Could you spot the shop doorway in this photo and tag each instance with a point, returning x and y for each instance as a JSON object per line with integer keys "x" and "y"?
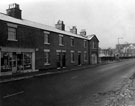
{"x": 20, "y": 62}
{"x": 8, "y": 62}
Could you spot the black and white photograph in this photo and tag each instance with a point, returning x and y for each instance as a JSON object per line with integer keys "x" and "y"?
{"x": 67, "y": 53}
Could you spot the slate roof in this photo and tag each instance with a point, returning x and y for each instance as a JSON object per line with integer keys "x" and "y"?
{"x": 89, "y": 37}
{"x": 7, "y": 18}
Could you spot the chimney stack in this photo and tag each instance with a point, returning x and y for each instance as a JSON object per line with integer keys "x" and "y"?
{"x": 73, "y": 30}
{"x": 83, "y": 33}
{"x": 14, "y": 11}
{"x": 60, "y": 25}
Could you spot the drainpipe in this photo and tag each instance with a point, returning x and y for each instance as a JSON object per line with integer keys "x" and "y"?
{"x": 89, "y": 54}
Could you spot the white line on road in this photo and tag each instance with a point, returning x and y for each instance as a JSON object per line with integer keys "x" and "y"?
{"x": 13, "y": 94}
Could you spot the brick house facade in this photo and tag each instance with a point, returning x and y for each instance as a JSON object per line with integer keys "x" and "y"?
{"x": 27, "y": 46}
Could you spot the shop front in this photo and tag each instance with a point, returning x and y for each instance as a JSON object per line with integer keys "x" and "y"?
{"x": 14, "y": 60}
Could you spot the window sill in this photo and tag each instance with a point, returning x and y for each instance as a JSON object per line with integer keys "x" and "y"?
{"x": 46, "y": 64}
{"x": 47, "y": 43}
{"x": 72, "y": 61}
{"x": 61, "y": 45}
{"x": 12, "y": 40}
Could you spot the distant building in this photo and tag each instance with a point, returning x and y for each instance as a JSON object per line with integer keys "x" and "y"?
{"x": 126, "y": 50}
{"x": 27, "y": 46}
{"x": 106, "y": 54}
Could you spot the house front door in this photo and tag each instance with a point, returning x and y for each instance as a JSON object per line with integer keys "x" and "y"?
{"x": 63, "y": 59}
{"x": 79, "y": 58}
{"x": 58, "y": 60}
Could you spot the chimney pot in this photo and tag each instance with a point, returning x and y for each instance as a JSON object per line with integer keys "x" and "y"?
{"x": 73, "y": 30}
{"x": 83, "y": 33}
{"x": 60, "y": 25}
{"x": 14, "y": 11}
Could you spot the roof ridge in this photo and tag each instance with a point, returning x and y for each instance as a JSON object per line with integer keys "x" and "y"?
{"x": 26, "y": 22}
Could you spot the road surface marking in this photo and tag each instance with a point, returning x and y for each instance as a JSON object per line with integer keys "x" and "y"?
{"x": 13, "y": 94}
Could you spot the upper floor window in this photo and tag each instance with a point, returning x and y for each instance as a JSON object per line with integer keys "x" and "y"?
{"x": 61, "y": 43}
{"x": 94, "y": 45}
{"x": 46, "y": 37}
{"x": 85, "y": 43}
{"x": 12, "y": 32}
{"x": 72, "y": 41}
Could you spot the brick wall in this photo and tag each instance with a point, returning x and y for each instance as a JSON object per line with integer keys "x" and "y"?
{"x": 29, "y": 37}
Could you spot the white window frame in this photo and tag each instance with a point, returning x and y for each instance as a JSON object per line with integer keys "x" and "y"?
{"x": 12, "y": 29}
{"x": 72, "y": 56}
{"x": 12, "y": 34}
{"x": 85, "y": 43}
{"x": 93, "y": 45}
{"x": 48, "y": 57}
{"x": 72, "y": 39}
{"x": 46, "y": 37}
{"x": 61, "y": 37}
{"x": 85, "y": 56}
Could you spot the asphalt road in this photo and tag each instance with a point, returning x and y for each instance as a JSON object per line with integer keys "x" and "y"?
{"x": 74, "y": 88}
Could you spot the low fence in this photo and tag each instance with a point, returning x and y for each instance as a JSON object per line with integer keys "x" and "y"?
{"x": 115, "y": 58}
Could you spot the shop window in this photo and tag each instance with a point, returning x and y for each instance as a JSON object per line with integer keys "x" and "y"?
{"x": 15, "y": 62}
{"x": 5, "y": 62}
{"x": 8, "y": 61}
{"x": 12, "y": 33}
{"x": 27, "y": 60}
{"x": 24, "y": 61}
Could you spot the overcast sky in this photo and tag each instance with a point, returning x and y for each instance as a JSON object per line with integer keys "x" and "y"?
{"x": 108, "y": 19}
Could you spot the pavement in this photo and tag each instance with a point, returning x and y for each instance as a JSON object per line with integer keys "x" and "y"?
{"x": 21, "y": 76}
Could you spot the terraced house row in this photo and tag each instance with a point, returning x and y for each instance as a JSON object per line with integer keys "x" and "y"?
{"x": 27, "y": 46}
